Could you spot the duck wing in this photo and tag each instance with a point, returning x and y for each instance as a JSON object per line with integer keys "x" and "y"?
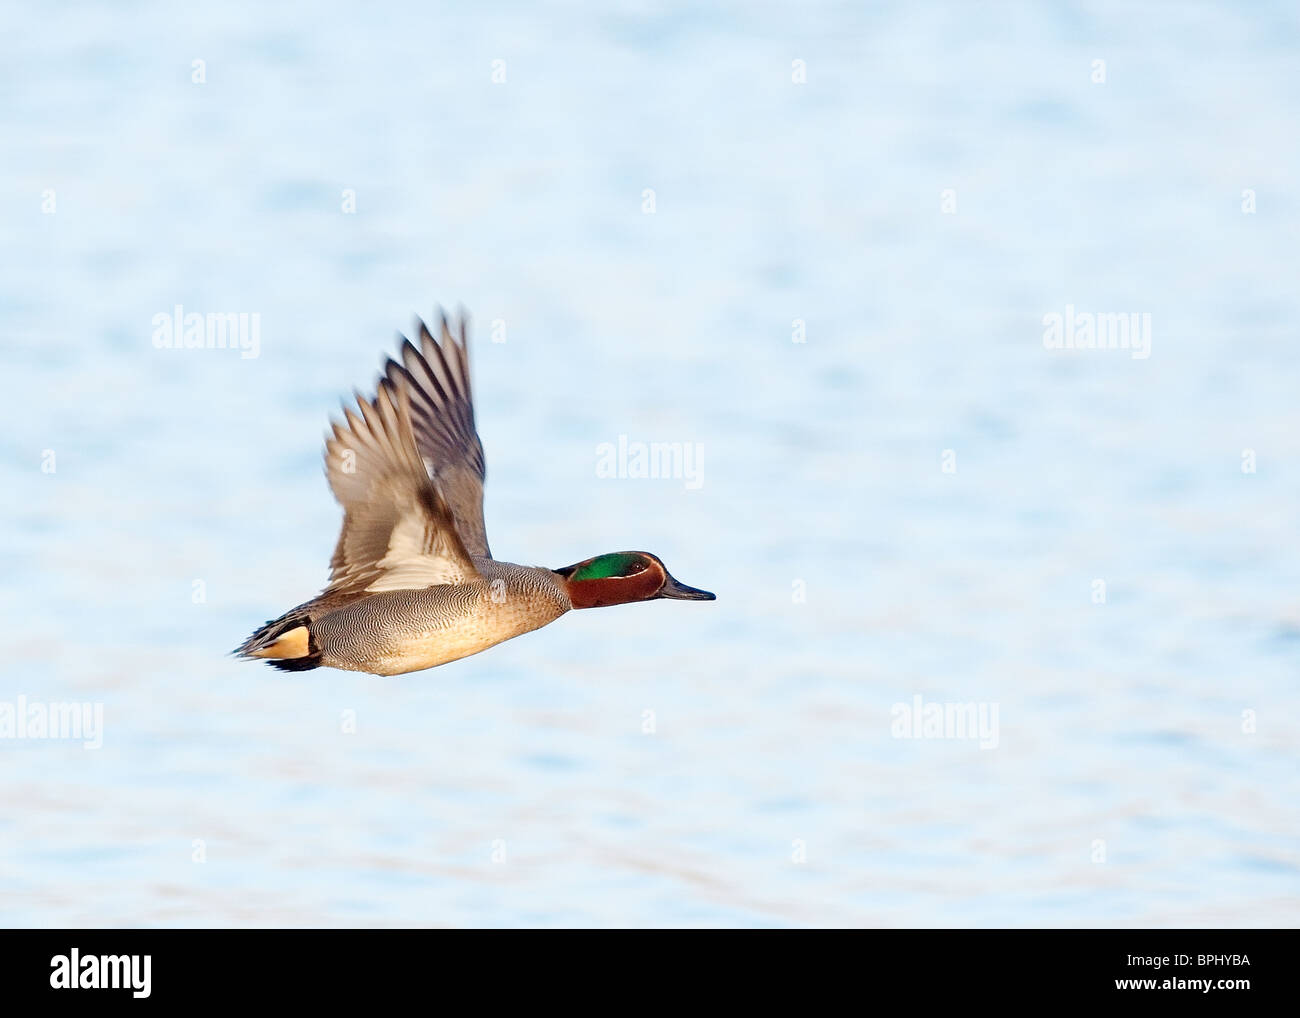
{"x": 435, "y": 378}
{"x": 399, "y": 532}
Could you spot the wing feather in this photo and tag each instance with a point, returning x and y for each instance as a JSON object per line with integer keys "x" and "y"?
{"x": 398, "y": 530}
{"x": 436, "y": 380}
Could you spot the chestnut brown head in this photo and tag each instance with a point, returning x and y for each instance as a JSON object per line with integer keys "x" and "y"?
{"x": 621, "y": 577}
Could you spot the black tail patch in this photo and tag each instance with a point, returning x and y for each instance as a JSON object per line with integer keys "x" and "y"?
{"x": 295, "y": 664}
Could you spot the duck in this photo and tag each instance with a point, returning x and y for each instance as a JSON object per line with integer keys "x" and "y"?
{"x": 412, "y": 582}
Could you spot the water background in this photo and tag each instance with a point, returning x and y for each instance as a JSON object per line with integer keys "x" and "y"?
{"x": 519, "y": 787}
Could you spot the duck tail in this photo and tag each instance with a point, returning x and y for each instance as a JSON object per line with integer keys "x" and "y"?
{"x": 286, "y": 643}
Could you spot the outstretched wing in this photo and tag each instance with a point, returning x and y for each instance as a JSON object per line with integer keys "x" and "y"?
{"x": 435, "y": 379}
{"x": 398, "y": 530}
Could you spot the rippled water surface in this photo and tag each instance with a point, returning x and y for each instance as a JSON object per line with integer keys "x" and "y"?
{"x": 919, "y": 499}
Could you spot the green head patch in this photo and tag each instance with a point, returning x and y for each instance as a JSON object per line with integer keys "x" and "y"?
{"x": 604, "y": 567}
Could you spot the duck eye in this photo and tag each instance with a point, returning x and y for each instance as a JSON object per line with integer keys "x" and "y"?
{"x": 624, "y": 566}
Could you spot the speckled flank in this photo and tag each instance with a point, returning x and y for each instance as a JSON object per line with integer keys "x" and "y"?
{"x": 399, "y": 631}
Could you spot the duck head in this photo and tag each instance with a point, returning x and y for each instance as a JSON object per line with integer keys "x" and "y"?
{"x": 621, "y": 577}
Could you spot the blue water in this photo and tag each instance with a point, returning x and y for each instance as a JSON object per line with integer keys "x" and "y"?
{"x": 161, "y": 503}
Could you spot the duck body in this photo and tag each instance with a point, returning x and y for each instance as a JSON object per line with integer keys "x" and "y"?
{"x": 392, "y": 632}
{"x": 413, "y": 584}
